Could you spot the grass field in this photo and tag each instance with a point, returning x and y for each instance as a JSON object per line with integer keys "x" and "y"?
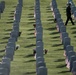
{"x": 24, "y": 62}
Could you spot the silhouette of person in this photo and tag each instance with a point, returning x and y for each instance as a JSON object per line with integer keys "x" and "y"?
{"x": 68, "y": 14}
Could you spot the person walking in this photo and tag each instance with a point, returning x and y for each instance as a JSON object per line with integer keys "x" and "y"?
{"x": 68, "y": 14}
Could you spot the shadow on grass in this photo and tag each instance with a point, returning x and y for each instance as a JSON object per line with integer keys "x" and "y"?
{"x": 11, "y": 16}
{"x": 58, "y": 49}
{"x": 30, "y": 29}
{"x": 30, "y": 19}
{"x": 7, "y": 33}
{"x": 31, "y": 23}
{"x": 3, "y": 42}
{"x": 31, "y": 16}
{"x": 9, "y": 22}
{"x": 14, "y": 6}
{"x": 31, "y": 45}
{"x": 31, "y": 8}
{"x": 74, "y": 32}
{"x": 73, "y": 28}
{"x": 48, "y": 11}
{"x": 55, "y": 40}
{"x": 9, "y": 30}
{"x": 50, "y": 17}
{"x": 1, "y": 56}
{"x": 51, "y": 28}
{"x": 2, "y": 50}
{"x": 64, "y": 72}
{"x": 29, "y": 55}
{"x": 30, "y": 33}
{"x": 5, "y": 38}
{"x": 48, "y": 7}
{"x": 10, "y": 19}
{"x": 12, "y": 11}
{"x": 56, "y": 37}
{"x": 74, "y": 36}
{"x": 30, "y": 61}
{"x": 55, "y": 45}
{"x": 61, "y": 66}
{"x": 31, "y": 37}
{"x": 29, "y": 73}
{"x": 59, "y": 60}
{"x": 54, "y": 33}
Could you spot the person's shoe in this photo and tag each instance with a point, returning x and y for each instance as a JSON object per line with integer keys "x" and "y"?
{"x": 73, "y": 23}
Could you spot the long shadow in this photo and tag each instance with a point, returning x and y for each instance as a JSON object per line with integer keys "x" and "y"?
{"x": 9, "y": 22}
{"x": 51, "y": 28}
{"x": 59, "y": 60}
{"x": 54, "y": 40}
{"x": 58, "y": 49}
{"x": 73, "y": 28}
{"x": 12, "y": 11}
{"x": 48, "y": 11}
{"x": 29, "y": 73}
{"x": 74, "y": 36}
{"x": 14, "y": 6}
{"x": 61, "y": 66}
{"x": 31, "y": 16}
{"x": 10, "y": 19}
{"x": 1, "y": 56}
{"x": 29, "y": 55}
{"x": 30, "y": 61}
{"x": 31, "y": 45}
{"x": 30, "y": 33}
{"x": 74, "y": 32}
{"x": 56, "y": 37}
{"x": 7, "y": 33}
{"x": 30, "y": 22}
{"x": 31, "y": 8}
{"x": 48, "y": 7}
{"x": 31, "y": 37}
{"x": 3, "y": 42}
{"x": 30, "y": 29}
{"x": 64, "y": 72}
{"x": 2, "y": 50}
{"x": 31, "y": 19}
{"x": 8, "y": 29}
{"x": 54, "y": 33}
{"x": 56, "y": 45}
{"x": 50, "y": 17}
{"x": 11, "y": 16}
{"x": 5, "y": 38}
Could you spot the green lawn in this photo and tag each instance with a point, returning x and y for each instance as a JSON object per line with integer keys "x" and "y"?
{"x": 24, "y": 63}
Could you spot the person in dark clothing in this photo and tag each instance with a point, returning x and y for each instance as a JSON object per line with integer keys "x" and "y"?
{"x": 68, "y": 14}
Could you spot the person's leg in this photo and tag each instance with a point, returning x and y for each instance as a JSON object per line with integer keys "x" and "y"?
{"x": 71, "y": 21}
{"x": 67, "y": 21}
